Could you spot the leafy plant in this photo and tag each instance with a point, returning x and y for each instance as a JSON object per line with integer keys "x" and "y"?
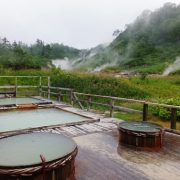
{"x": 165, "y": 113}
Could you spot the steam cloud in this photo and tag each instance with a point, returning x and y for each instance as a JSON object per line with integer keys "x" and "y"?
{"x": 95, "y": 59}
{"x": 104, "y": 66}
{"x": 173, "y": 67}
{"x": 64, "y": 64}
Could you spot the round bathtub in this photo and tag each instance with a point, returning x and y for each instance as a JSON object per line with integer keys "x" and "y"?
{"x": 37, "y": 156}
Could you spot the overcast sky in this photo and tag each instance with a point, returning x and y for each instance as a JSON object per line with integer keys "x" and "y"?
{"x": 77, "y": 23}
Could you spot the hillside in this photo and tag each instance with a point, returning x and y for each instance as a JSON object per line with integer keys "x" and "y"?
{"x": 153, "y": 40}
{"x": 150, "y": 44}
{"x": 18, "y": 55}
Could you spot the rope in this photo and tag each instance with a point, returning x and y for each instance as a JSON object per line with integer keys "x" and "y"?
{"x": 45, "y": 166}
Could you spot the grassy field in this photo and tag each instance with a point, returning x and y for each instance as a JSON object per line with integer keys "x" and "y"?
{"x": 158, "y": 87}
{"x": 149, "y": 88}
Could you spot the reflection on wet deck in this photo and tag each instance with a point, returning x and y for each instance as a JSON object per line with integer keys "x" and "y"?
{"x": 100, "y": 157}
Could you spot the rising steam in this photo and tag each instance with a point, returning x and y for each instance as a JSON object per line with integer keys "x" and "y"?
{"x": 104, "y": 66}
{"x": 173, "y": 67}
{"x": 64, "y": 64}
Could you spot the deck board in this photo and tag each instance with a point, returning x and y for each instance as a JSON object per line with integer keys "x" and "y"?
{"x": 101, "y": 157}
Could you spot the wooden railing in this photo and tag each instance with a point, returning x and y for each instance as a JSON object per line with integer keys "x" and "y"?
{"x": 68, "y": 94}
{"x": 88, "y": 100}
{"x": 13, "y": 89}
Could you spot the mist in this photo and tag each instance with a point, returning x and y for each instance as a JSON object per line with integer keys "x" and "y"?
{"x": 104, "y": 66}
{"x": 173, "y": 67}
{"x": 64, "y": 64}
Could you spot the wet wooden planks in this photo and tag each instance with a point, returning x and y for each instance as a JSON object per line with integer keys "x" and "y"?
{"x": 101, "y": 157}
{"x": 79, "y": 130}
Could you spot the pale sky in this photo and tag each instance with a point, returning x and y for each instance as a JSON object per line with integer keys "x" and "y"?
{"x": 77, "y": 23}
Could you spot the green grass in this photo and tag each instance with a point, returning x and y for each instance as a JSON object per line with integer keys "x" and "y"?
{"x": 149, "y": 88}
{"x": 158, "y": 87}
{"x": 128, "y": 116}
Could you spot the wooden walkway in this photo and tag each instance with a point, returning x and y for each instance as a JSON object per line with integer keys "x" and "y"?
{"x": 83, "y": 129}
{"x": 101, "y": 157}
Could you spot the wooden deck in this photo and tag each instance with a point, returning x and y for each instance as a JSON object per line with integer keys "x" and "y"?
{"x": 100, "y": 157}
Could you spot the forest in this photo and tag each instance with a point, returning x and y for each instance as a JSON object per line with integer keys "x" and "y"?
{"x": 148, "y": 45}
{"x": 152, "y": 40}
{"x": 18, "y": 55}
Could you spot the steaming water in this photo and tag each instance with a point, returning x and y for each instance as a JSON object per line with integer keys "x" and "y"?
{"x": 64, "y": 64}
{"x": 7, "y": 101}
{"x": 28, "y": 147}
{"x": 16, "y": 120}
{"x": 173, "y": 67}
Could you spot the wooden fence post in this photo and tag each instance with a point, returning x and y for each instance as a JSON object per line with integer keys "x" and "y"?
{"x": 71, "y": 97}
{"x": 49, "y": 91}
{"x": 59, "y": 95}
{"x": 145, "y": 112}
{"x": 111, "y": 107}
{"x": 16, "y": 86}
{"x": 40, "y": 86}
{"x": 89, "y": 103}
{"x": 173, "y": 118}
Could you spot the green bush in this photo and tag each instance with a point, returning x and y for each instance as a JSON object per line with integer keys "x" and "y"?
{"x": 165, "y": 113}
{"x": 96, "y": 84}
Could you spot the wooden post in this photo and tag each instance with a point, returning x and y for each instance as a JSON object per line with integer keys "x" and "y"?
{"x": 111, "y": 107}
{"x": 59, "y": 95}
{"x": 145, "y": 112}
{"x": 71, "y": 98}
{"x": 89, "y": 103}
{"x": 173, "y": 118}
{"x": 16, "y": 86}
{"x": 49, "y": 91}
{"x": 40, "y": 88}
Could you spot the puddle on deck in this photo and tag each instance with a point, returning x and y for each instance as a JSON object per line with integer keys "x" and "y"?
{"x": 101, "y": 157}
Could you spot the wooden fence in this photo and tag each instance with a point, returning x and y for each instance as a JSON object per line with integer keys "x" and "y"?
{"x": 14, "y": 88}
{"x": 74, "y": 98}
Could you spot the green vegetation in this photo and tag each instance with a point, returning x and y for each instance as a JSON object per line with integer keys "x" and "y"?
{"x": 96, "y": 84}
{"x": 165, "y": 113}
{"x": 156, "y": 89}
{"x": 150, "y": 44}
{"x": 18, "y": 56}
{"x": 152, "y": 41}
{"x": 53, "y": 50}
{"x": 36, "y": 56}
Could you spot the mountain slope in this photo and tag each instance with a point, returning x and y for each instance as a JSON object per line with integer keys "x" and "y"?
{"x": 153, "y": 39}
{"x": 149, "y": 44}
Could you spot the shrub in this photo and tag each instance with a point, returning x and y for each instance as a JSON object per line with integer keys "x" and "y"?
{"x": 165, "y": 113}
